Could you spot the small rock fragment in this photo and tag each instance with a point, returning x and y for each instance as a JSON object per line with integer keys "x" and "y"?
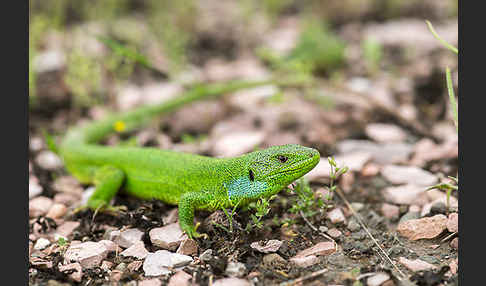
{"x": 78, "y": 271}
{"x": 231, "y": 281}
{"x": 106, "y": 265}
{"x": 355, "y": 161}
{"x": 428, "y": 227}
{"x": 386, "y": 153}
{"x": 455, "y": 243}
{"x": 268, "y": 247}
{"x": 357, "y": 206}
{"x": 336, "y": 216}
{"x": 322, "y": 248}
{"x": 453, "y": 223}
{"x": 304, "y": 261}
{"x": 370, "y": 170}
{"x": 188, "y": 247}
{"x": 110, "y": 245}
{"x": 206, "y": 256}
{"x": 274, "y": 261}
{"x": 382, "y": 133}
{"x": 41, "y": 243}
{"x": 34, "y": 188}
{"x": 180, "y": 278}
{"x": 353, "y": 225}
{"x": 167, "y": 237}
{"x": 389, "y": 211}
{"x": 89, "y": 254}
{"x": 150, "y": 282}
{"x": 127, "y": 237}
{"x": 135, "y": 265}
{"x": 409, "y": 216}
{"x": 67, "y": 228}
{"x": 116, "y": 275}
{"x": 406, "y": 195}
{"x": 408, "y": 175}
{"x": 454, "y": 266}
{"x": 39, "y": 206}
{"x": 159, "y": 262}
{"x": 377, "y": 279}
{"x": 49, "y": 61}
{"x": 416, "y": 264}
{"x": 67, "y": 184}
{"x": 334, "y": 233}
{"x": 171, "y": 217}
{"x": 235, "y": 269}
{"x": 57, "y": 211}
{"x": 66, "y": 199}
{"x": 346, "y": 181}
{"x": 48, "y": 160}
{"x": 137, "y": 250}
{"x": 237, "y": 143}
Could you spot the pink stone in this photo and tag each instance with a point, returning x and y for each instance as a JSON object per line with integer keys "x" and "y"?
{"x": 67, "y": 228}
{"x": 188, "y": 247}
{"x": 304, "y": 261}
{"x": 390, "y": 211}
{"x": 181, "y": 278}
{"x": 427, "y": 227}
{"x": 137, "y": 250}
{"x": 416, "y": 265}
{"x": 452, "y": 222}
{"x": 322, "y": 248}
{"x": 39, "y": 206}
{"x": 77, "y": 274}
{"x": 167, "y": 237}
{"x": 266, "y": 247}
{"x": 57, "y": 211}
{"x": 150, "y": 282}
{"x": 406, "y": 195}
{"x": 336, "y": 216}
{"x": 89, "y": 254}
{"x": 455, "y": 243}
{"x": 334, "y": 233}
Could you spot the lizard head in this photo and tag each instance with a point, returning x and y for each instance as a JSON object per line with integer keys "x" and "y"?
{"x": 270, "y": 170}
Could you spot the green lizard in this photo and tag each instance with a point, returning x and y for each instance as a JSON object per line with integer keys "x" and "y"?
{"x": 187, "y": 180}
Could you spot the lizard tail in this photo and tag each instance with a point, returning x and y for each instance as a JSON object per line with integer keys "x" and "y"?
{"x": 96, "y": 130}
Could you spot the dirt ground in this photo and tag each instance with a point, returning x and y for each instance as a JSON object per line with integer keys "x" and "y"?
{"x": 378, "y": 104}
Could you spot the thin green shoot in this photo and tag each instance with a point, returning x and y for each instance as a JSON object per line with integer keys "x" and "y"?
{"x": 442, "y": 41}
{"x": 448, "y": 188}
{"x": 230, "y": 219}
{"x": 452, "y": 97}
{"x": 335, "y": 173}
{"x": 124, "y": 51}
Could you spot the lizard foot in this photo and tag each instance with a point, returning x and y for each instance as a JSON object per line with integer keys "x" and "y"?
{"x": 192, "y": 232}
{"x": 102, "y": 208}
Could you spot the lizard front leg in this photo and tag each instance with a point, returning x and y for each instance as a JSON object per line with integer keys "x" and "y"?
{"x": 187, "y": 205}
{"x": 108, "y": 180}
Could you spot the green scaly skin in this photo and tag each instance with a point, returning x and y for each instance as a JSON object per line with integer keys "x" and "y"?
{"x": 187, "y": 180}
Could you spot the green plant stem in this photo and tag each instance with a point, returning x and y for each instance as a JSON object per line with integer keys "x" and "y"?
{"x": 443, "y": 42}
{"x": 452, "y": 98}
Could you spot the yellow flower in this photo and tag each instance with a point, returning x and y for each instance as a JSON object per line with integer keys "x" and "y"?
{"x": 119, "y": 126}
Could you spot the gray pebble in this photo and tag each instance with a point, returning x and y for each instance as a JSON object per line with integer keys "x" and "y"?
{"x": 353, "y": 225}
{"x": 409, "y": 216}
{"x": 235, "y": 269}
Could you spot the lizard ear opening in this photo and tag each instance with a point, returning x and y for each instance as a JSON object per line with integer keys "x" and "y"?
{"x": 252, "y": 177}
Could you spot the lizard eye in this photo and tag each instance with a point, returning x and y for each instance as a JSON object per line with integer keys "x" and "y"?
{"x": 282, "y": 159}
{"x": 252, "y": 177}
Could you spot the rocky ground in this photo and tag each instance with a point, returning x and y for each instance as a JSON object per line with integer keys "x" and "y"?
{"x": 391, "y": 126}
